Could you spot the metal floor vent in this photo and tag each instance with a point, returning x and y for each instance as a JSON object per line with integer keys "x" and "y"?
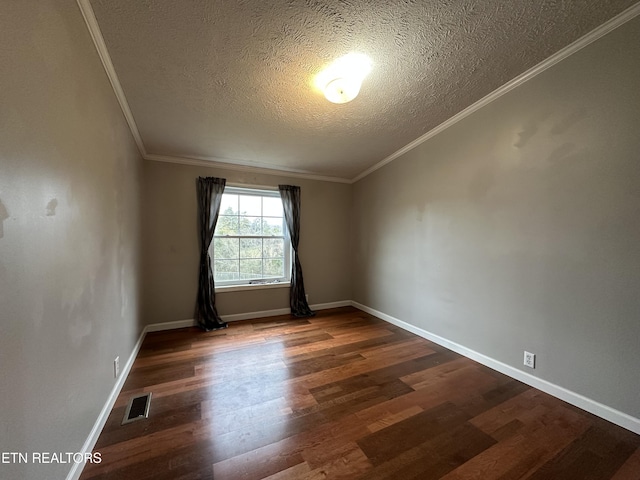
{"x": 137, "y": 409}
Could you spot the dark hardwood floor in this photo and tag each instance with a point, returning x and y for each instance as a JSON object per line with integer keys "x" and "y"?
{"x": 344, "y": 395}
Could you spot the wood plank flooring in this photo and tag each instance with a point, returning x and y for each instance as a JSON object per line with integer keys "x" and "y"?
{"x": 344, "y": 395}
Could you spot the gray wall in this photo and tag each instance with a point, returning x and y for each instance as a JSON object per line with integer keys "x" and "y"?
{"x": 171, "y": 251}
{"x": 515, "y": 229}
{"x": 519, "y": 227}
{"x": 69, "y": 275}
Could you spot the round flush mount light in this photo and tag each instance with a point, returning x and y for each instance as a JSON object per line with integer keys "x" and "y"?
{"x": 342, "y": 90}
{"x": 341, "y": 81}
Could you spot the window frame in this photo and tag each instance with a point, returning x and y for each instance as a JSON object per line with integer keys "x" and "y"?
{"x": 256, "y": 283}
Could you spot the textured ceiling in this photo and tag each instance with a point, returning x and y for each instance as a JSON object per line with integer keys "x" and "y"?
{"x": 232, "y": 81}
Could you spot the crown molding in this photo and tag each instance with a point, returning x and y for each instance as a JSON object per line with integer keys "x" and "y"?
{"x": 98, "y": 40}
{"x": 101, "y": 47}
{"x": 560, "y": 55}
{"x": 241, "y": 167}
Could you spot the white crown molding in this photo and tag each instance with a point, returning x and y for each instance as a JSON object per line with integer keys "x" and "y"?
{"x": 560, "y": 55}
{"x": 242, "y": 167}
{"x": 98, "y": 40}
{"x": 101, "y": 47}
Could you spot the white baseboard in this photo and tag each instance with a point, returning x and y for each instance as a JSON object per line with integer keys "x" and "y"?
{"x": 281, "y": 311}
{"x": 615, "y": 416}
{"x": 259, "y": 314}
{"x": 235, "y": 317}
{"x": 612, "y": 415}
{"x": 326, "y": 306}
{"x": 160, "y": 327}
{"x": 90, "y": 442}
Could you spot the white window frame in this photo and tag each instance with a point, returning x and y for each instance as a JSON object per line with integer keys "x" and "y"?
{"x": 256, "y": 283}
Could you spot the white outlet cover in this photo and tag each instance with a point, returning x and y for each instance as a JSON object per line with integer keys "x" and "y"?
{"x": 529, "y": 359}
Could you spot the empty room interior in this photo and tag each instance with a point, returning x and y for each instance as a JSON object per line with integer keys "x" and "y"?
{"x": 342, "y": 240}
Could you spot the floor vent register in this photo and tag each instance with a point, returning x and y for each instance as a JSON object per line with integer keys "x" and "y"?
{"x": 137, "y": 409}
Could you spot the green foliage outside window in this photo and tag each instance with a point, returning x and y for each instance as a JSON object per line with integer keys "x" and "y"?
{"x": 238, "y": 258}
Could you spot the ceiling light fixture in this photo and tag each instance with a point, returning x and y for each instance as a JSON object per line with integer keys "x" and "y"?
{"x": 341, "y": 81}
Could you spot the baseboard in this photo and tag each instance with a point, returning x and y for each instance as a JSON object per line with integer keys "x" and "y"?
{"x": 326, "y": 306}
{"x": 76, "y": 469}
{"x": 281, "y": 311}
{"x": 249, "y": 315}
{"x": 235, "y": 317}
{"x": 612, "y": 415}
{"x": 159, "y": 327}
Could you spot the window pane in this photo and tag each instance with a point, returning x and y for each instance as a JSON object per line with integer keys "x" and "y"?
{"x": 273, "y": 248}
{"x": 225, "y": 248}
{"x": 250, "y": 248}
{"x": 229, "y": 204}
{"x": 248, "y": 243}
{"x": 274, "y": 268}
{"x": 225, "y": 270}
{"x": 272, "y": 226}
{"x": 250, "y": 269}
{"x": 250, "y": 205}
{"x": 227, "y": 225}
{"x": 250, "y": 226}
{"x": 272, "y": 207}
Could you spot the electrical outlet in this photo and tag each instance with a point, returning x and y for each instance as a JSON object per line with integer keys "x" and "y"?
{"x": 116, "y": 367}
{"x": 529, "y": 359}
{"x": 306, "y": 296}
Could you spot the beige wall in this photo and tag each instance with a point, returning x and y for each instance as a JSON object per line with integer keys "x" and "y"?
{"x": 69, "y": 188}
{"x": 171, "y": 251}
{"x": 519, "y": 227}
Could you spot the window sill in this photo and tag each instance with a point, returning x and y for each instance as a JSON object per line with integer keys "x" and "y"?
{"x": 252, "y": 286}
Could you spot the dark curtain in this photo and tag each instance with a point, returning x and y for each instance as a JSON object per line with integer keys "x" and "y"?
{"x": 209, "y": 197}
{"x": 291, "y": 202}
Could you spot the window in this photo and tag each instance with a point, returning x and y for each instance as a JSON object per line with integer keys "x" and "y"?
{"x": 250, "y": 243}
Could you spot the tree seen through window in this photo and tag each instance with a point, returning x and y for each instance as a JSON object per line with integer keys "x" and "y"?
{"x": 249, "y": 241}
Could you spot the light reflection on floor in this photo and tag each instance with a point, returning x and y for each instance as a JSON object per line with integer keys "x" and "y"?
{"x": 249, "y": 397}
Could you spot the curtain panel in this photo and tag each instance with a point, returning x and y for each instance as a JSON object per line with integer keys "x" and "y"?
{"x": 209, "y": 190}
{"x": 290, "y": 195}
